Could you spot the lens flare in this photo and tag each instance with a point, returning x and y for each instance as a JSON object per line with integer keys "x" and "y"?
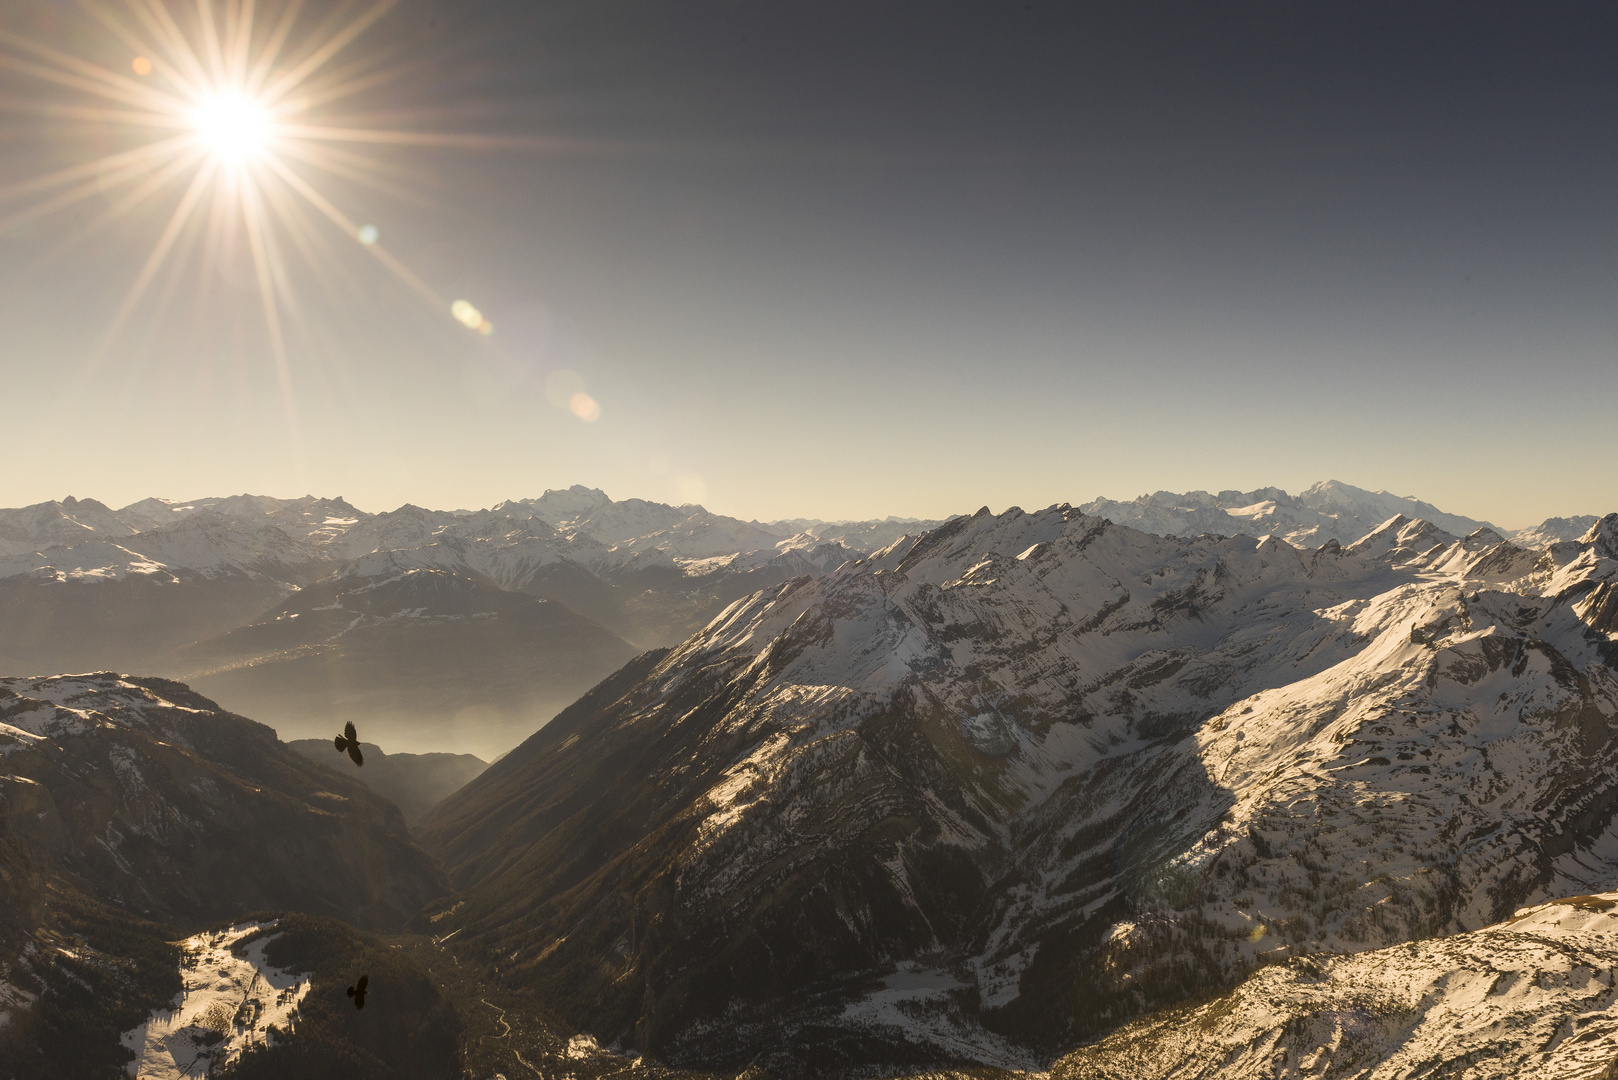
{"x": 584, "y": 407}
{"x": 470, "y": 317}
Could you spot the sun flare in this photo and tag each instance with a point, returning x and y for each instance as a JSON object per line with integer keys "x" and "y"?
{"x": 232, "y": 126}
{"x": 232, "y": 106}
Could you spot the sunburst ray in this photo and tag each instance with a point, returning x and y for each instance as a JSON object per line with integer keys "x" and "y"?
{"x": 234, "y": 102}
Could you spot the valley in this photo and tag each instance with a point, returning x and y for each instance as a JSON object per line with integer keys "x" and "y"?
{"x": 994, "y": 796}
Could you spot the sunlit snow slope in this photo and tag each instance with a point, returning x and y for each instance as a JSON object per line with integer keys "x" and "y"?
{"x": 228, "y": 1003}
{"x": 1535, "y": 995}
{"x": 1084, "y": 769}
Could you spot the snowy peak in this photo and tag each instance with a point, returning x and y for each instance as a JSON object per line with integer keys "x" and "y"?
{"x": 28, "y": 529}
{"x": 556, "y": 506}
{"x": 1554, "y": 530}
{"x": 1529, "y": 996}
{"x": 1603, "y": 536}
{"x": 1330, "y": 510}
{"x": 1399, "y": 539}
{"x": 1096, "y": 768}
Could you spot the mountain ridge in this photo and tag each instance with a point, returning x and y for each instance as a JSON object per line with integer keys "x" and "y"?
{"x": 1074, "y": 769}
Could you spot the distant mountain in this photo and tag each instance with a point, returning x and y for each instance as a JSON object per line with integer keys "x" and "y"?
{"x": 70, "y": 521}
{"x": 1525, "y": 997}
{"x": 1330, "y": 510}
{"x": 180, "y": 587}
{"x": 1556, "y": 530}
{"x": 211, "y": 590}
{"x": 861, "y": 536}
{"x": 55, "y": 621}
{"x": 415, "y": 783}
{"x": 997, "y": 789}
{"x": 417, "y": 656}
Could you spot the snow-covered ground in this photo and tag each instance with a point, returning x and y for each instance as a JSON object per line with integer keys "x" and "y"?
{"x": 229, "y": 1003}
{"x": 1536, "y": 995}
{"x": 921, "y": 1006}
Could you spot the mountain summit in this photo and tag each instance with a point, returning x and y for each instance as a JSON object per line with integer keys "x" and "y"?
{"x": 1034, "y": 773}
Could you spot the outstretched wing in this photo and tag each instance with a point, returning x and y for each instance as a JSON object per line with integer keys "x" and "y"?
{"x": 354, "y": 752}
{"x": 349, "y": 733}
{"x": 342, "y": 743}
{"x": 365, "y": 980}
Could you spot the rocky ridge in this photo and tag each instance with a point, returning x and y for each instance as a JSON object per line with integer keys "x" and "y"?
{"x": 1074, "y": 770}
{"x": 1330, "y": 510}
{"x": 1534, "y": 994}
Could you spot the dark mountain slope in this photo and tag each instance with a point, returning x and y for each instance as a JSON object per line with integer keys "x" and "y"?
{"x": 1032, "y": 774}
{"x": 53, "y": 622}
{"x": 152, "y": 798}
{"x": 136, "y": 811}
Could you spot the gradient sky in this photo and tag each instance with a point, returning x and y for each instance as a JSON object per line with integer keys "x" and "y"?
{"x": 857, "y": 259}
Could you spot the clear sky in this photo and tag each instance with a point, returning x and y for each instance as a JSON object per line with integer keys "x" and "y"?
{"x": 840, "y": 259}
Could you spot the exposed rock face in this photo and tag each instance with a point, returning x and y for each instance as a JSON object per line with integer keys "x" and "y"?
{"x": 1531, "y": 996}
{"x": 1078, "y": 770}
{"x": 143, "y": 794}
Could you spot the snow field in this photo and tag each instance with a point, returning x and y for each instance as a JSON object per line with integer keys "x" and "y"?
{"x": 229, "y": 1003}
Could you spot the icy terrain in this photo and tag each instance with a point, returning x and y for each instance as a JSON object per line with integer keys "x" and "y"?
{"x": 229, "y": 1003}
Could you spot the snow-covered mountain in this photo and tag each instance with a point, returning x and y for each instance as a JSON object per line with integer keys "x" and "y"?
{"x": 1531, "y": 996}
{"x": 972, "y": 796}
{"x": 85, "y": 587}
{"x": 1072, "y": 769}
{"x": 1554, "y": 530}
{"x": 1330, "y": 510}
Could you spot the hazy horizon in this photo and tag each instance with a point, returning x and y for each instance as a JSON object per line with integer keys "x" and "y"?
{"x": 995, "y": 508}
{"x": 844, "y": 262}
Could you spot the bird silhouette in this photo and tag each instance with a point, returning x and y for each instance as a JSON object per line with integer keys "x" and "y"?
{"x": 349, "y": 740}
{"x": 357, "y": 991}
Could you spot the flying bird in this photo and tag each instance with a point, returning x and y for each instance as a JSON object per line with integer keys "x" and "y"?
{"x": 349, "y": 740}
{"x": 357, "y": 991}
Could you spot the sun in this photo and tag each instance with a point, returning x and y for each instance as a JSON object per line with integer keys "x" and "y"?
{"x": 232, "y": 126}
{"x": 234, "y": 110}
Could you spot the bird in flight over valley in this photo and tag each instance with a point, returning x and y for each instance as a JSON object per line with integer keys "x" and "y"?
{"x": 349, "y": 740}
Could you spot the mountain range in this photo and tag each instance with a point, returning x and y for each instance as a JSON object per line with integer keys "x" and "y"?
{"x": 1330, "y": 510}
{"x": 1016, "y": 791}
{"x": 1065, "y": 769}
{"x": 463, "y": 630}
{"x": 432, "y": 630}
